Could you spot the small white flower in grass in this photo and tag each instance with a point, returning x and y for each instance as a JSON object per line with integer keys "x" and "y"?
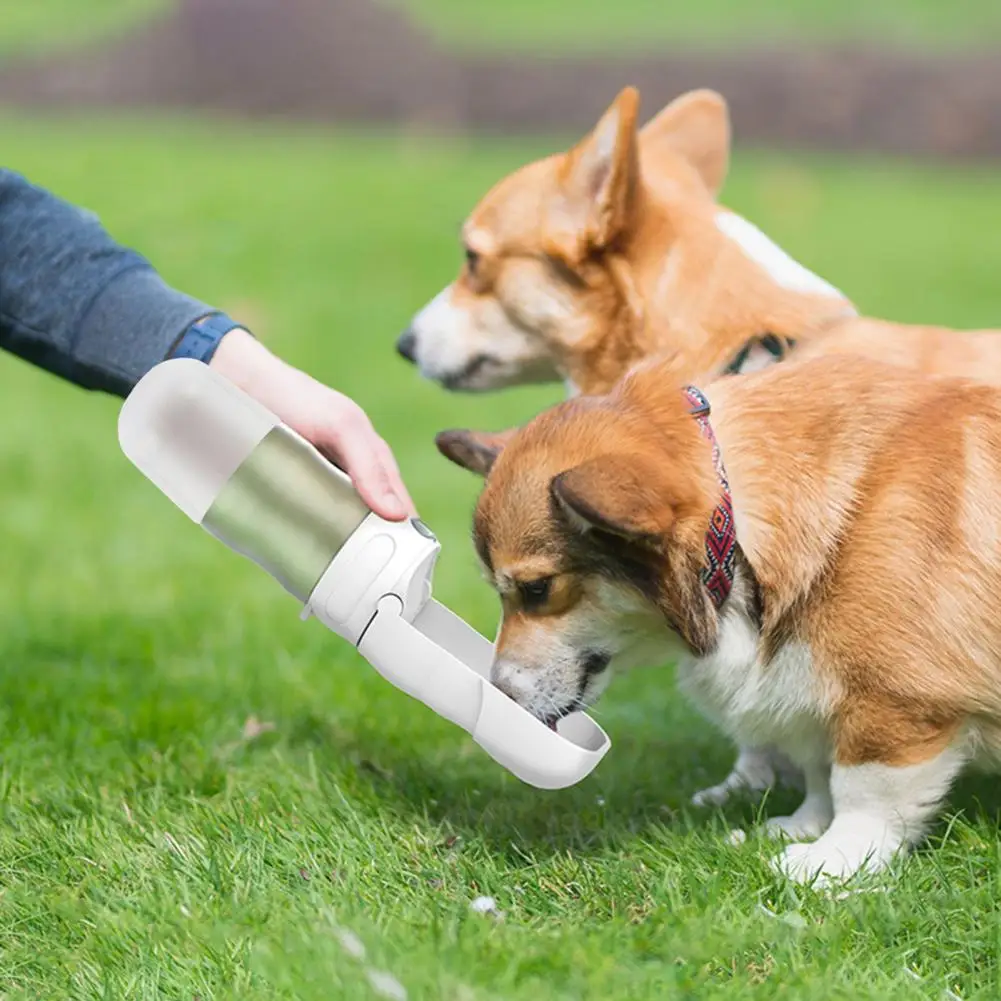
{"x": 736, "y": 837}
{"x": 351, "y": 943}
{"x": 600, "y": 800}
{"x": 386, "y": 985}
{"x": 484, "y": 905}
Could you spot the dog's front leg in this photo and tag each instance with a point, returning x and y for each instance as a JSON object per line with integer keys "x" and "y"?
{"x": 880, "y": 809}
{"x": 756, "y": 770}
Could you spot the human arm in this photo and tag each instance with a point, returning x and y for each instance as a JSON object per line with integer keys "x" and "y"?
{"x": 78, "y": 304}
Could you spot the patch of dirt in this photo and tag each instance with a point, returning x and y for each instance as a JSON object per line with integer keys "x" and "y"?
{"x": 359, "y": 61}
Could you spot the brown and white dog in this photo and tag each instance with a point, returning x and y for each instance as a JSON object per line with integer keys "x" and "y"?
{"x": 860, "y": 630}
{"x": 582, "y": 264}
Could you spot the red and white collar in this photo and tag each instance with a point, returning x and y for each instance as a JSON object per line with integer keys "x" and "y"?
{"x": 721, "y": 535}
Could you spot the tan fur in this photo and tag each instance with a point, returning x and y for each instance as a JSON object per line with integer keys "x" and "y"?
{"x": 658, "y": 280}
{"x": 610, "y": 253}
{"x": 849, "y": 483}
{"x": 974, "y": 354}
{"x": 867, "y": 501}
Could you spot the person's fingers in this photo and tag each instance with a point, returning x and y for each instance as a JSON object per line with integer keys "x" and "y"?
{"x": 358, "y": 449}
{"x": 396, "y": 479}
{"x": 371, "y": 481}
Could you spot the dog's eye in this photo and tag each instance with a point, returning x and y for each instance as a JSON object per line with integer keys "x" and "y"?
{"x": 565, "y": 272}
{"x": 535, "y": 592}
{"x": 472, "y": 259}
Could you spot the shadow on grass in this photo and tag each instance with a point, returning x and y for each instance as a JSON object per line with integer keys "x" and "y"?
{"x": 641, "y": 785}
{"x": 423, "y": 772}
{"x": 978, "y": 795}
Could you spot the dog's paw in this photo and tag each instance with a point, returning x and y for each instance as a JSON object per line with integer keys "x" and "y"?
{"x": 796, "y": 827}
{"x": 733, "y": 787}
{"x": 811, "y": 863}
{"x": 831, "y": 861}
{"x": 743, "y": 782}
{"x": 756, "y": 770}
{"x": 713, "y": 796}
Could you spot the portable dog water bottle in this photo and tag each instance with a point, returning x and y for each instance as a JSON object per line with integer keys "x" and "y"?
{"x": 235, "y": 469}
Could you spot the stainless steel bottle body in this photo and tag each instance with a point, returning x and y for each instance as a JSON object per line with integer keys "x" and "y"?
{"x": 287, "y": 509}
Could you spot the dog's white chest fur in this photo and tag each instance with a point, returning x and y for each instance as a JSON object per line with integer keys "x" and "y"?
{"x": 780, "y": 267}
{"x": 782, "y": 702}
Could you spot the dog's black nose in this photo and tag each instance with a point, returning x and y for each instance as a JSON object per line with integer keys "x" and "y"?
{"x": 406, "y": 343}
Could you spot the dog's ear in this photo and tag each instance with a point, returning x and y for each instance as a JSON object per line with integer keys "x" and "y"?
{"x": 473, "y": 450}
{"x": 695, "y": 125}
{"x": 614, "y": 495}
{"x": 600, "y": 174}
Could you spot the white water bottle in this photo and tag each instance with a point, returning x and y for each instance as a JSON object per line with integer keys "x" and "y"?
{"x": 235, "y": 469}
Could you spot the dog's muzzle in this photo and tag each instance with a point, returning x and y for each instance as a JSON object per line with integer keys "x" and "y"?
{"x": 462, "y": 379}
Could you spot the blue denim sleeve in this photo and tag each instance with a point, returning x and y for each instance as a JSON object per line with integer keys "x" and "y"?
{"x": 75, "y": 302}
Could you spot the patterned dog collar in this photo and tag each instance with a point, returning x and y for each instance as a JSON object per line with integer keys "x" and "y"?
{"x": 721, "y": 535}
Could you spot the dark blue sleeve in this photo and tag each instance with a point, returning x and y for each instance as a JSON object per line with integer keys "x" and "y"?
{"x": 75, "y": 302}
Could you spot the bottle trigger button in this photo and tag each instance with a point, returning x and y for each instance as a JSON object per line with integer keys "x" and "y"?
{"x": 423, "y": 529}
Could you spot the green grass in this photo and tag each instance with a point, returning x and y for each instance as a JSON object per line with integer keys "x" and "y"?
{"x": 597, "y": 25}
{"x": 560, "y": 26}
{"x": 33, "y": 25}
{"x": 148, "y": 851}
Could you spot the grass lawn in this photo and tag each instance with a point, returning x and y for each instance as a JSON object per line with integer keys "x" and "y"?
{"x": 30, "y": 25}
{"x": 150, "y": 849}
{"x": 597, "y": 25}
{"x": 575, "y": 25}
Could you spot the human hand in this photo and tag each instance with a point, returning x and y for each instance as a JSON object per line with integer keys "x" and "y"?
{"x": 332, "y": 422}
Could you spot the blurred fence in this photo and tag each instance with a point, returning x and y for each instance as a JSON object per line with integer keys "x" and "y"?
{"x": 362, "y": 62}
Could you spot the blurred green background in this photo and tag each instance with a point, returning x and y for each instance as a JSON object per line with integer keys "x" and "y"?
{"x": 156, "y": 842}
{"x": 559, "y": 25}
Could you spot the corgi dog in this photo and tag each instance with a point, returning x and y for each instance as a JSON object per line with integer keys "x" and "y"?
{"x": 823, "y": 537}
{"x": 581, "y": 264}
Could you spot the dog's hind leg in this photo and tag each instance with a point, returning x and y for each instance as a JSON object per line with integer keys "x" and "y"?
{"x": 756, "y": 770}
